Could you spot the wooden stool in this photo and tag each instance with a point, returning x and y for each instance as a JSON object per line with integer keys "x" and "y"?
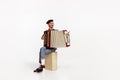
{"x": 51, "y": 61}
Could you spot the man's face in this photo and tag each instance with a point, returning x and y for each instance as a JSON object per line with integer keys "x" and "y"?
{"x": 51, "y": 24}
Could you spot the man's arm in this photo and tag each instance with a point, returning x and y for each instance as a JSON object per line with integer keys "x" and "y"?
{"x": 43, "y": 37}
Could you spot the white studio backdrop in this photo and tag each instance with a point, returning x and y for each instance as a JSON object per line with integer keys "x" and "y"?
{"x": 95, "y": 39}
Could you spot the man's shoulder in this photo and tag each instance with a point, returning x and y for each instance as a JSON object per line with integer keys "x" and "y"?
{"x": 45, "y": 30}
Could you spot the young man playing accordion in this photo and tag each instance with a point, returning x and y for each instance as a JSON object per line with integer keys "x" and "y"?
{"x": 45, "y": 50}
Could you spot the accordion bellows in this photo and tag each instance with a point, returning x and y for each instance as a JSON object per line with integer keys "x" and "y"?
{"x": 57, "y": 39}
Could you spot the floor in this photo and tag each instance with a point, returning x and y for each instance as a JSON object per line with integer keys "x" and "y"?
{"x": 77, "y": 69}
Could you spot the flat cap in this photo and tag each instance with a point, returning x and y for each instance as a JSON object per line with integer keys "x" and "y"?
{"x": 50, "y": 20}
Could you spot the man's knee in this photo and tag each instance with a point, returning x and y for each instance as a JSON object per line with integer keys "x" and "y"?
{"x": 42, "y": 48}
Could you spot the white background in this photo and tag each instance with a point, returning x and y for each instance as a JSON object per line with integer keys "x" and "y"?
{"x": 94, "y": 26}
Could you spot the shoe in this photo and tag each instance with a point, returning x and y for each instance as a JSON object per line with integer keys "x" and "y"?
{"x": 38, "y": 70}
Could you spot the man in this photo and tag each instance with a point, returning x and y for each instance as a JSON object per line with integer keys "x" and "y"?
{"x": 45, "y": 50}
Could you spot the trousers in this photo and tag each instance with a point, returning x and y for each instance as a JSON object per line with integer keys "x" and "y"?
{"x": 44, "y": 51}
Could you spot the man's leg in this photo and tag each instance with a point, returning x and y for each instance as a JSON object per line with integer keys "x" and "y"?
{"x": 42, "y": 53}
{"x": 48, "y": 51}
{"x": 41, "y": 56}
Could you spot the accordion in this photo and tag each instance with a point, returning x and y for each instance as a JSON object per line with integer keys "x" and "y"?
{"x": 56, "y": 39}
